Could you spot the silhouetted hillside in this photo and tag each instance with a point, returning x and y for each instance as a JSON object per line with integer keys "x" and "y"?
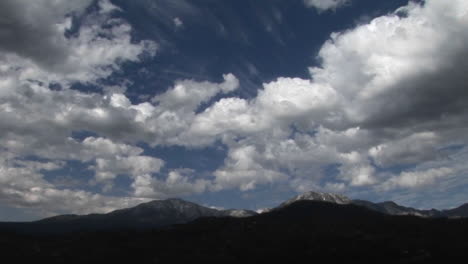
{"x": 164, "y": 213}
{"x": 154, "y": 214}
{"x": 308, "y": 230}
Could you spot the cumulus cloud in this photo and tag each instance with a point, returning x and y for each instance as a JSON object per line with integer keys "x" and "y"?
{"x": 279, "y": 104}
{"x": 178, "y": 182}
{"x": 37, "y": 47}
{"x": 440, "y": 183}
{"x": 413, "y": 179}
{"x": 22, "y": 185}
{"x": 389, "y": 93}
{"x": 408, "y": 94}
{"x": 381, "y": 97}
{"x": 413, "y": 149}
{"x": 32, "y": 112}
{"x": 108, "y": 169}
{"x": 178, "y": 23}
{"x": 35, "y": 29}
{"x": 242, "y": 169}
{"x": 187, "y": 95}
{"x": 324, "y": 5}
{"x": 35, "y": 52}
{"x": 389, "y": 60}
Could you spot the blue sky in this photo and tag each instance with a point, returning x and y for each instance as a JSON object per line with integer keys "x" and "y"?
{"x": 236, "y": 104}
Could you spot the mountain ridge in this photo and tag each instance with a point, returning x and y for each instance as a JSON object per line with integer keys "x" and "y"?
{"x": 386, "y": 207}
{"x": 305, "y": 229}
{"x": 175, "y": 211}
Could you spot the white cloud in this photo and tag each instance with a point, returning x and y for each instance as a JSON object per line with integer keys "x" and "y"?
{"x": 39, "y": 166}
{"x": 92, "y": 53}
{"x": 360, "y": 175}
{"x": 178, "y": 23}
{"x": 412, "y": 179}
{"x": 292, "y": 98}
{"x": 388, "y": 60}
{"x": 34, "y": 112}
{"x": 376, "y": 95}
{"x": 187, "y": 95}
{"x": 35, "y": 29}
{"x": 177, "y": 183}
{"x": 243, "y": 170}
{"x": 280, "y": 104}
{"x": 100, "y": 147}
{"x": 108, "y": 169}
{"x": 227, "y": 115}
{"x": 37, "y": 121}
{"x": 68, "y": 148}
{"x": 168, "y": 122}
{"x": 432, "y": 184}
{"x": 413, "y": 149}
{"x": 392, "y": 91}
{"x": 22, "y": 185}
{"x": 324, "y": 5}
{"x": 107, "y": 7}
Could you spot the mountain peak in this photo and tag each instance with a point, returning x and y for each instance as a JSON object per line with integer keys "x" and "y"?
{"x": 171, "y": 208}
{"x": 318, "y": 196}
{"x": 169, "y": 200}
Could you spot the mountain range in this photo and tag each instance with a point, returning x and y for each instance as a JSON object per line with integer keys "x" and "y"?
{"x": 304, "y": 230}
{"x": 150, "y": 215}
{"x": 387, "y": 207}
{"x": 165, "y": 213}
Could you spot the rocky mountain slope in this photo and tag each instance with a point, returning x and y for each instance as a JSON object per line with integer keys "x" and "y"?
{"x": 150, "y": 215}
{"x": 165, "y": 213}
{"x": 387, "y": 207}
{"x": 304, "y": 230}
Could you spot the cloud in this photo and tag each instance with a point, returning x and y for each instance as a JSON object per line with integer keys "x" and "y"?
{"x": 178, "y": 23}
{"x": 37, "y": 122}
{"x": 293, "y": 98}
{"x": 417, "y": 178}
{"x": 101, "y": 147}
{"x": 37, "y": 45}
{"x": 32, "y": 112}
{"x": 187, "y": 95}
{"x": 177, "y": 183}
{"x": 107, "y": 7}
{"x": 409, "y": 95}
{"x": 242, "y": 169}
{"x": 389, "y": 93}
{"x": 108, "y": 169}
{"x": 324, "y": 5}
{"x": 432, "y": 184}
{"x": 34, "y": 30}
{"x": 388, "y": 60}
{"x": 416, "y": 148}
{"x": 381, "y": 96}
{"x": 279, "y": 104}
{"x": 22, "y": 185}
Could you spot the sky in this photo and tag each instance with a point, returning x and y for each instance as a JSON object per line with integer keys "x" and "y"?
{"x": 105, "y": 104}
